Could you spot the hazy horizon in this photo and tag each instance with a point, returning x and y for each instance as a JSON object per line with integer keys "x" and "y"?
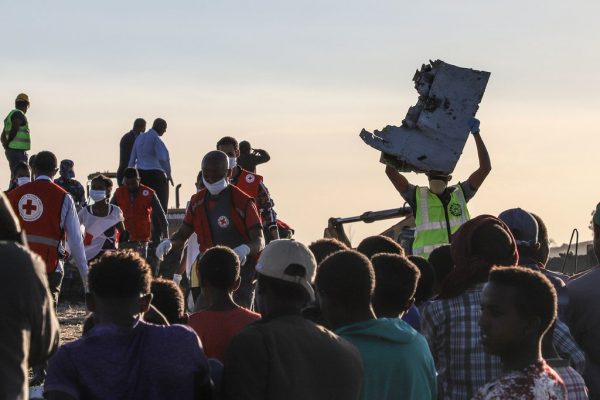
{"x": 301, "y": 80}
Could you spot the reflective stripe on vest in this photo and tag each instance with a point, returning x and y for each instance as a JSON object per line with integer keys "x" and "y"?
{"x": 22, "y": 140}
{"x": 42, "y": 240}
{"x": 431, "y": 226}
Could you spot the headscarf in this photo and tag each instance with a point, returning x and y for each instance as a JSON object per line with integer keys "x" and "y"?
{"x": 471, "y": 268}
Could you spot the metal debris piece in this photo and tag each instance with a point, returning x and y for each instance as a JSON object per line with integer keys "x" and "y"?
{"x": 435, "y": 130}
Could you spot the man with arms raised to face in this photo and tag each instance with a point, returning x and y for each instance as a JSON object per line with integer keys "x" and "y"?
{"x": 251, "y": 184}
{"x": 221, "y": 214}
{"x": 518, "y": 306}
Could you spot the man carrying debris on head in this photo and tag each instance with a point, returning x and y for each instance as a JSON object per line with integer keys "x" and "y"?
{"x": 440, "y": 209}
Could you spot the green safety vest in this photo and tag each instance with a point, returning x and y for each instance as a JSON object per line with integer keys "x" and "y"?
{"x": 22, "y": 140}
{"x": 434, "y": 223}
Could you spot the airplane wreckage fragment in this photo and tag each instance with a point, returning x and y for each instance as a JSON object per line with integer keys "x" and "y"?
{"x": 434, "y": 132}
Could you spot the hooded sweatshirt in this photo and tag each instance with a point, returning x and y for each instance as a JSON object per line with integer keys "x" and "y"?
{"x": 396, "y": 359}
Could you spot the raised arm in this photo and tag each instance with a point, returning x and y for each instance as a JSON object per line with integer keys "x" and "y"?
{"x": 398, "y": 180}
{"x": 485, "y": 165}
{"x": 262, "y": 156}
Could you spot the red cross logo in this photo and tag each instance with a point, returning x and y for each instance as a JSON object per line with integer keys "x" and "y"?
{"x": 223, "y": 221}
{"x": 30, "y": 207}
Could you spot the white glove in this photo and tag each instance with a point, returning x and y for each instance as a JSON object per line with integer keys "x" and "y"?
{"x": 242, "y": 252}
{"x": 177, "y": 279}
{"x": 163, "y": 248}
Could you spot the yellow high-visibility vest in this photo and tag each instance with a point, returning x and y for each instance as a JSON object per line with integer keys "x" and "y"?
{"x": 22, "y": 140}
{"x": 436, "y": 223}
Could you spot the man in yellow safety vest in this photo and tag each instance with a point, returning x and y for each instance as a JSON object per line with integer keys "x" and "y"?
{"x": 439, "y": 209}
{"x": 15, "y": 135}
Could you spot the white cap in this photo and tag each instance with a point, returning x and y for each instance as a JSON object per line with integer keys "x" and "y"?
{"x": 279, "y": 254}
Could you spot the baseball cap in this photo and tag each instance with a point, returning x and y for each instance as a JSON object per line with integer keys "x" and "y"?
{"x": 279, "y": 254}
{"x": 522, "y": 225}
{"x": 22, "y": 97}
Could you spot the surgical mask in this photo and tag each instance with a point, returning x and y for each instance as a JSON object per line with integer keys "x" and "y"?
{"x": 437, "y": 186}
{"x": 217, "y": 187}
{"x": 23, "y": 180}
{"x": 97, "y": 195}
{"x": 232, "y": 162}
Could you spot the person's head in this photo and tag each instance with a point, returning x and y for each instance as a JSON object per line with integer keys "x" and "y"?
{"x": 229, "y": 145}
{"x": 323, "y": 248}
{"x": 441, "y": 262}
{"x": 285, "y": 272}
{"x": 377, "y": 244}
{"x": 22, "y": 102}
{"x": 160, "y": 126}
{"x": 345, "y": 283}
{"x": 518, "y": 305}
{"x": 396, "y": 280}
{"x": 477, "y": 246}
{"x": 21, "y": 174}
{"x": 167, "y": 297}
{"x": 245, "y": 147}
{"x": 219, "y": 271}
{"x": 119, "y": 284}
{"x": 66, "y": 170}
{"x": 438, "y": 182}
{"x": 542, "y": 254}
{"x": 427, "y": 278}
{"x": 524, "y": 229}
{"x": 139, "y": 125}
{"x": 215, "y": 168}
{"x": 100, "y": 188}
{"x": 45, "y": 163}
{"x": 131, "y": 179}
{"x": 596, "y": 228}
{"x": 10, "y": 229}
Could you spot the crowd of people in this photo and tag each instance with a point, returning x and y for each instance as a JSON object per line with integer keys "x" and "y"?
{"x": 468, "y": 311}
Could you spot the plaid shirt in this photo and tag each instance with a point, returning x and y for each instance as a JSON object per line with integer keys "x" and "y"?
{"x": 576, "y": 389}
{"x": 451, "y": 327}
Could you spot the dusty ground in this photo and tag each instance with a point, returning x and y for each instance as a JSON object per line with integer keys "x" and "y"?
{"x": 70, "y": 316}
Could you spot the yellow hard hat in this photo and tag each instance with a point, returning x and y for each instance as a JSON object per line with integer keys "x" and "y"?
{"x": 22, "y": 97}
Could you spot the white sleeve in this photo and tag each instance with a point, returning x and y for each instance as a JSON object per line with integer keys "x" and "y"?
{"x": 70, "y": 223}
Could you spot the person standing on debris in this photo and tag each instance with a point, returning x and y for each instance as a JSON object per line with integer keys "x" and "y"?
{"x": 15, "y": 136}
{"x": 221, "y": 214}
{"x": 139, "y": 205}
{"x": 440, "y": 209}
{"x": 249, "y": 158}
{"x": 151, "y": 157}
{"x": 73, "y": 187}
{"x": 251, "y": 184}
{"x": 126, "y": 147}
{"x": 47, "y": 213}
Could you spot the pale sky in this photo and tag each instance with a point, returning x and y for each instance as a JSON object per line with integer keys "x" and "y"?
{"x": 301, "y": 79}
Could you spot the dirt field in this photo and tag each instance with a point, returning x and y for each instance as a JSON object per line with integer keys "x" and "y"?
{"x": 70, "y": 316}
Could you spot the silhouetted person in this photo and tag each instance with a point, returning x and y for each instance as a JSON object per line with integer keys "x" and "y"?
{"x": 249, "y": 158}
{"x": 126, "y": 147}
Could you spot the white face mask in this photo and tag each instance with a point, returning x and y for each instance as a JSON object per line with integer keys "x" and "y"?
{"x": 97, "y": 195}
{"x": 437, "y": 186}
{"x": 23, "y": 180}
{"x": 217, "y": 187}
{"x": 232, "y": 162}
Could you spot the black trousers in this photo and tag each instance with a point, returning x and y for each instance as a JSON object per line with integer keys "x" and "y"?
{"x": 157, "y": 180}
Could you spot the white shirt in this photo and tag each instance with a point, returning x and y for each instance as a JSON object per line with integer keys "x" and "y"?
{"x": 69, "y": 222}
{"x": 95, "y": 229}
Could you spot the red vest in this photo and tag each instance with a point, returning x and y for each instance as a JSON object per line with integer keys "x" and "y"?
{"x": 38, "y": 205}
{"x": 239, "y": 204}
{"x": 137, "y": 214}
{"x": 249, "y": 183}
